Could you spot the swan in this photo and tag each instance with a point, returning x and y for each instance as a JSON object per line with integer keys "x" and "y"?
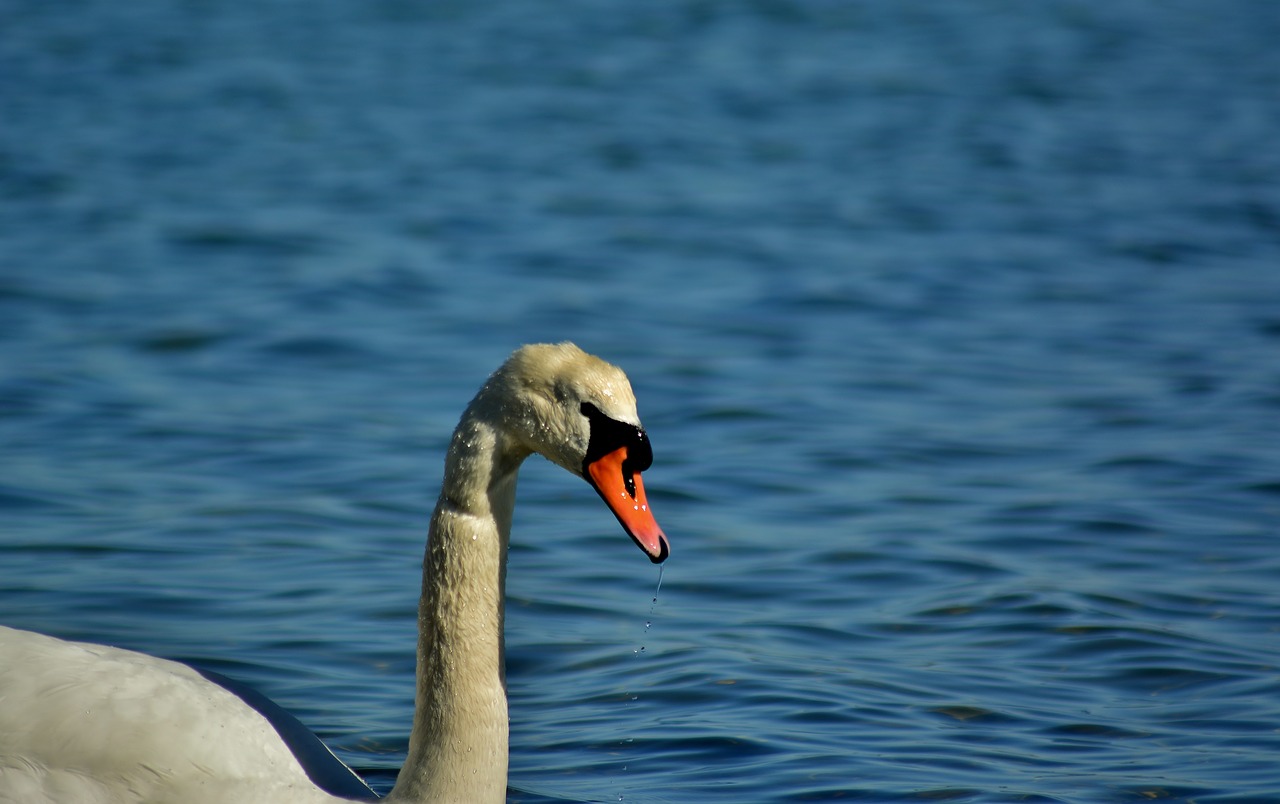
{"x": 83, "y": 723}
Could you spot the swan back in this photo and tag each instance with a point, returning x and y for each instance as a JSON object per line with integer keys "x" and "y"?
{"x": 101, "y": 724}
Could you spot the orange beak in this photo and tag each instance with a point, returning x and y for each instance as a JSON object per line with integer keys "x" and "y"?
{"x": 623, "y": 491}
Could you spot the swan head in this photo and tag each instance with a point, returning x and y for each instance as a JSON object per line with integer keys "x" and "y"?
{"x": 579, "y": 412}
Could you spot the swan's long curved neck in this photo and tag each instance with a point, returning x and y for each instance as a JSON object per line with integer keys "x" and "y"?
{"x": 458, "y": 746}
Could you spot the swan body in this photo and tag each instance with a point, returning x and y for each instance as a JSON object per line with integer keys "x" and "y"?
{"x": 89, "y": 724}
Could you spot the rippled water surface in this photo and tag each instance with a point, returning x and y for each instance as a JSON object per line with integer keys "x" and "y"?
{"x": 956, "y": 329}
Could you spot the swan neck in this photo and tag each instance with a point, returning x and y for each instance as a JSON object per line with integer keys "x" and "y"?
{"x": 458, "y": 746}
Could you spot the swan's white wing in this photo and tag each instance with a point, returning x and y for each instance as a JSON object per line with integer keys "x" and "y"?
{"x": 89, "y": 723}
{"x": 320, "y": 764}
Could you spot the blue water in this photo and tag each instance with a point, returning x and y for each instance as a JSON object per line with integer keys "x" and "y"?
{"x": 955, "y": 327}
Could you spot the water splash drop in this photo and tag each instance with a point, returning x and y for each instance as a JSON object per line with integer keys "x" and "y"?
{"x": 628, "y": 697}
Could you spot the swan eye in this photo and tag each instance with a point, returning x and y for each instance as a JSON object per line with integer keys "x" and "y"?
{"x": 609, "y": 434}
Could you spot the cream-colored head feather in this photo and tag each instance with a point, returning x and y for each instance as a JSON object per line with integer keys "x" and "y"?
{"x": 536, "y": 396}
